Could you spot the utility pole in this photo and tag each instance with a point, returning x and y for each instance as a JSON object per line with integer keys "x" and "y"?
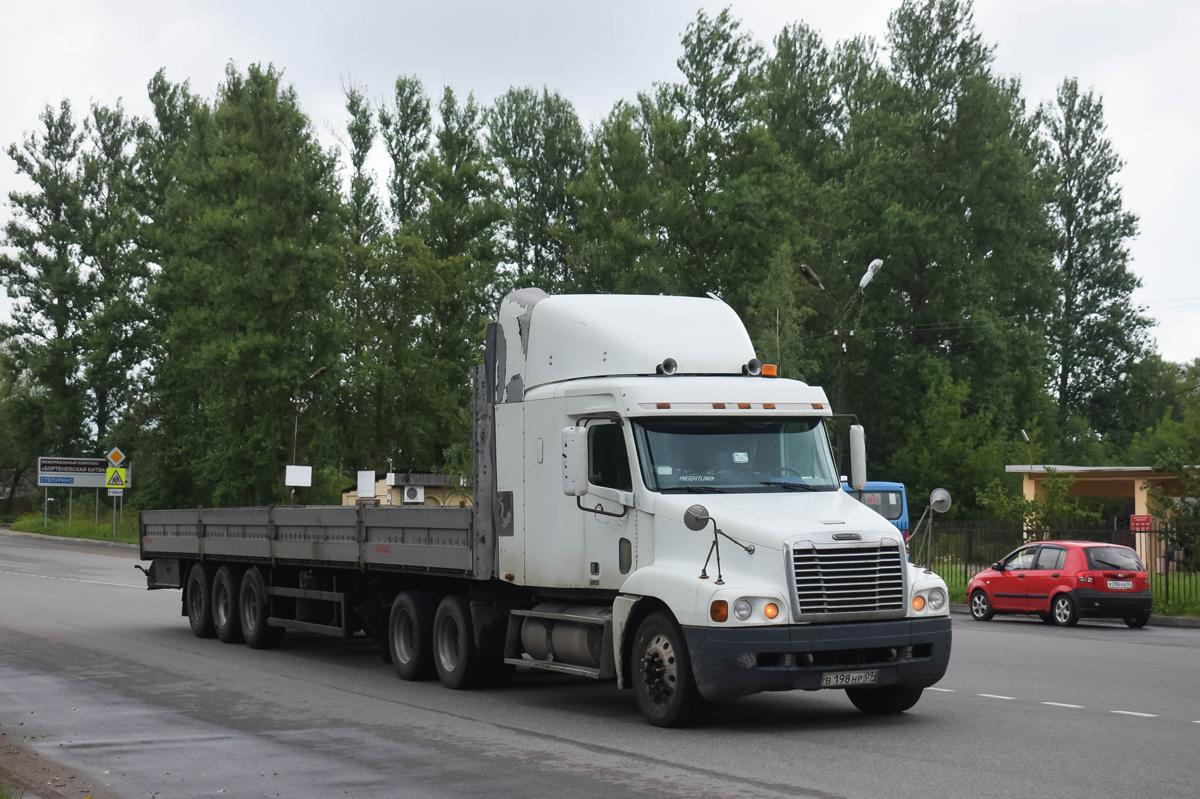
{"x": 296, "y": 412}
{"x": 843, "y": 311}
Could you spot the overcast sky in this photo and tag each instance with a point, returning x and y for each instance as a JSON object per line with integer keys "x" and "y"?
{"x": 1135, "y": 54}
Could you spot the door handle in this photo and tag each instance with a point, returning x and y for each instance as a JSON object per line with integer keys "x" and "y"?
{"x": 1056, "y": 574}
{"x": 1020, "y": 577}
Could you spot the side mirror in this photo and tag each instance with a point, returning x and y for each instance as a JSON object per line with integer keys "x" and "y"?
{"x": 574, "y": 461}
{"x": 696, "y": 518}
{"x": 997, "y": 567}
{"x": 858, "y": 457}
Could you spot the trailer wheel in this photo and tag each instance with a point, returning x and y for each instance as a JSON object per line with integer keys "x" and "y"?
{"x": 662, "y": 674}
{"x": 198, "y": 602}
{"x": 454, "y": 653}
{"x": 255, "y": 609}
{"x": 410, "y": 635}
{"x": 225, "y": 605}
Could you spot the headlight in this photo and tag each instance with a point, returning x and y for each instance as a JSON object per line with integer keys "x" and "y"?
{"x": 742, "y": 609}
{"x": 937, "y": 599}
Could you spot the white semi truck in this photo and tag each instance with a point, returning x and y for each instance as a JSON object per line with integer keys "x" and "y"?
{"x": 651, "y": 505}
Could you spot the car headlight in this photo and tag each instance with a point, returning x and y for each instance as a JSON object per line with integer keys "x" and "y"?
{"x": 937, "y": 599}
{"x": 742, "y": 609}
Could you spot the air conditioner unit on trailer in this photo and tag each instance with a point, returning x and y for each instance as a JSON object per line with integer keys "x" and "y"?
{"x": 414, "y": 495}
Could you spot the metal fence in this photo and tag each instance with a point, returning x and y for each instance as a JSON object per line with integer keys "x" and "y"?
{"x": 957, "y": 551}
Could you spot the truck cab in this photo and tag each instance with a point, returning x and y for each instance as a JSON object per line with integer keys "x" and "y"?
{"x": 644, "y": 455}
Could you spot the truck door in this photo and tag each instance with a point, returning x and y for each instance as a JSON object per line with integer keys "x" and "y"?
{"x": 609, "y": 540}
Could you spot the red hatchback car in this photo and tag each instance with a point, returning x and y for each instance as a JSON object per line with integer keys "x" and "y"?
{"x": 1062, "y": 581}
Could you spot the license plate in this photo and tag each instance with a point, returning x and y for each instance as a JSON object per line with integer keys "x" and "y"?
{"x": 843, "y": 679}
{"x": 1120, "y": 585}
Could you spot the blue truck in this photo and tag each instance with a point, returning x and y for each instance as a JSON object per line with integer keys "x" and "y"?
{"x": 889, "y": 500}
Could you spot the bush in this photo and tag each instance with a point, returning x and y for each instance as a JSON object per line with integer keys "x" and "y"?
{"x": 127, "y": 529}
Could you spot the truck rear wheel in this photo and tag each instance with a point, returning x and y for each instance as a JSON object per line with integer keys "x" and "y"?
{"x": 410, "y": 635}
{"x": 662, "y": 674}
{"x": 225, "y": 614}
{"x": 255, "y": 609}
{"x": 454, "y": 653}
{"x": 199, "y": 601}
{"x": 886, "y": 700}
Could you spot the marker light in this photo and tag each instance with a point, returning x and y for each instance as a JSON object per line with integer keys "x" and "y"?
{"x": 742, "y": 609}
{"x": 771, "y": 610}
{"x": 918, "y": 603}
{"x": 770, "y": 370}
{"x": 719, "y": 610}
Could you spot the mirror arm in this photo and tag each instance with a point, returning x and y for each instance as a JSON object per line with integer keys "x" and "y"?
{"x": 600, "y": 509}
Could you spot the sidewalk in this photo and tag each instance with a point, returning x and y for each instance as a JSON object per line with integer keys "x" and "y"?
{"x": 1155, "y": 621}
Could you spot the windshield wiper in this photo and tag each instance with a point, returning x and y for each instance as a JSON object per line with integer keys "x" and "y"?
{"x": 696, "y": 489}
{"x": 789, "y": 485}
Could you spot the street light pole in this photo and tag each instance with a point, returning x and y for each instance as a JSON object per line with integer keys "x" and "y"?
{"x": 843, "y": 311}
{"x": 296, "y": 411}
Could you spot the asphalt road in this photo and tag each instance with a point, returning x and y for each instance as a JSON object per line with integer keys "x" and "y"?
{"x": 107, "y": 678}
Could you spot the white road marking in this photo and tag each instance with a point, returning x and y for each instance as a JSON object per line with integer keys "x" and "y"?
{"x": 1131, "y": 713}
{"x": 74, "y": 579}
{"x": 995, "y": 696}
{"x": 943, "y": 690}
{"x": 1062, "y": 704}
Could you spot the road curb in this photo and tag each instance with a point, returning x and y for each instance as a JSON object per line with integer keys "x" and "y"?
{"x": 1155, "y": 621}
{"x": 45, "y": 537}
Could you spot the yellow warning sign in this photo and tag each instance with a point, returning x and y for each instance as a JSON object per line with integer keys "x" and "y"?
{"x": 114, "y": 478}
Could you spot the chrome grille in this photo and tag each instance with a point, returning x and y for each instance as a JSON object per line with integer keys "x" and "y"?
{"x": 849, "y": 579}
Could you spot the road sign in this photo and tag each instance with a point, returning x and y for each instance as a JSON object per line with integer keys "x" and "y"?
{"x": 115, "y": 456}
{"x": 72, "y": 472}
{"x": 115, "y": 478}
{"x": 116, "y": 492}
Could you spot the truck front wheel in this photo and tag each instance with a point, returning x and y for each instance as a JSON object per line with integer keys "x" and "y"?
{"x": 410, "y": 635}
{"x": 662, "y": 674}
{"x": 884, "y": 701}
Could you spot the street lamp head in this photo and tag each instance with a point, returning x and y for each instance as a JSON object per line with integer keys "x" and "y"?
{"x": 810, "y": 276}
{"x": 870, "y": 273}
{"x": 1025, "y": 436}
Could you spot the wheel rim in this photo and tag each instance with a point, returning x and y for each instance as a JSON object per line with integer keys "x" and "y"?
{"x": 196, "y": 600}
{"x": 1062, "y": 611}
{"x": 660, "y": 672}
{"x": 448, "y": 645}
{"x": 404, "y": 636}
{"x": 979, "y": 604}
{"x": 221, "y": 604}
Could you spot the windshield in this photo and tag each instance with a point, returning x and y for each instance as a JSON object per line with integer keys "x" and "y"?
{"x": 1101, "y": 558}
{"x": 718, "y": 455}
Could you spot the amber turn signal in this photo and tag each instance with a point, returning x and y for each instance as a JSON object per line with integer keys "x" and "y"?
{"x": 719, "y": 610}
{"x": 918, "y": 603}
{"x": 771, "y": 610}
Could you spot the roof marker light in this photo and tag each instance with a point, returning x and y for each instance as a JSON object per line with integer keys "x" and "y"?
{"x": 770, "y": 370}
{"x": 770, "y": 406}
{"x": 745, "y": 406}
{"x": 818, "y": 406}
{"x": 720, "y": 406}
{"x": 663, "y": 406}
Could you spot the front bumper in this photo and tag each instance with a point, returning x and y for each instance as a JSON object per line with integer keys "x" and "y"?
{"x": 733, "y": 662}
{"x": 1093, "y": 604}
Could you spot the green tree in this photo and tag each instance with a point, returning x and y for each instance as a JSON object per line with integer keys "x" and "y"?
{"x": 538, "y": 142}
{"x": 44, "y": 277}
{"x": 775, "y": 315}
{"x": 406, "y": 127}
{"x": 1095, "y": 332}
{"x": 252, "y": 217}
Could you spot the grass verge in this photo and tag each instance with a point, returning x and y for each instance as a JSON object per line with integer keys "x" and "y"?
{"x": 127, "y": 530}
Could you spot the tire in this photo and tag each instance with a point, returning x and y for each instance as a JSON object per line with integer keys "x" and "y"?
{"x": 454, "y": 656}
{"x": 1063, "y": 611}
{"x": 198, "y": 601}
{"x": 663, "y": 682}
{"x": 226, "y": 619}
{"x": 981, "y": 606}
{"x": 254, "y": 608}
{"x": 1137, "y": 621}
{"x": 410, "y": 635}
{"x": 885, "y": 701}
